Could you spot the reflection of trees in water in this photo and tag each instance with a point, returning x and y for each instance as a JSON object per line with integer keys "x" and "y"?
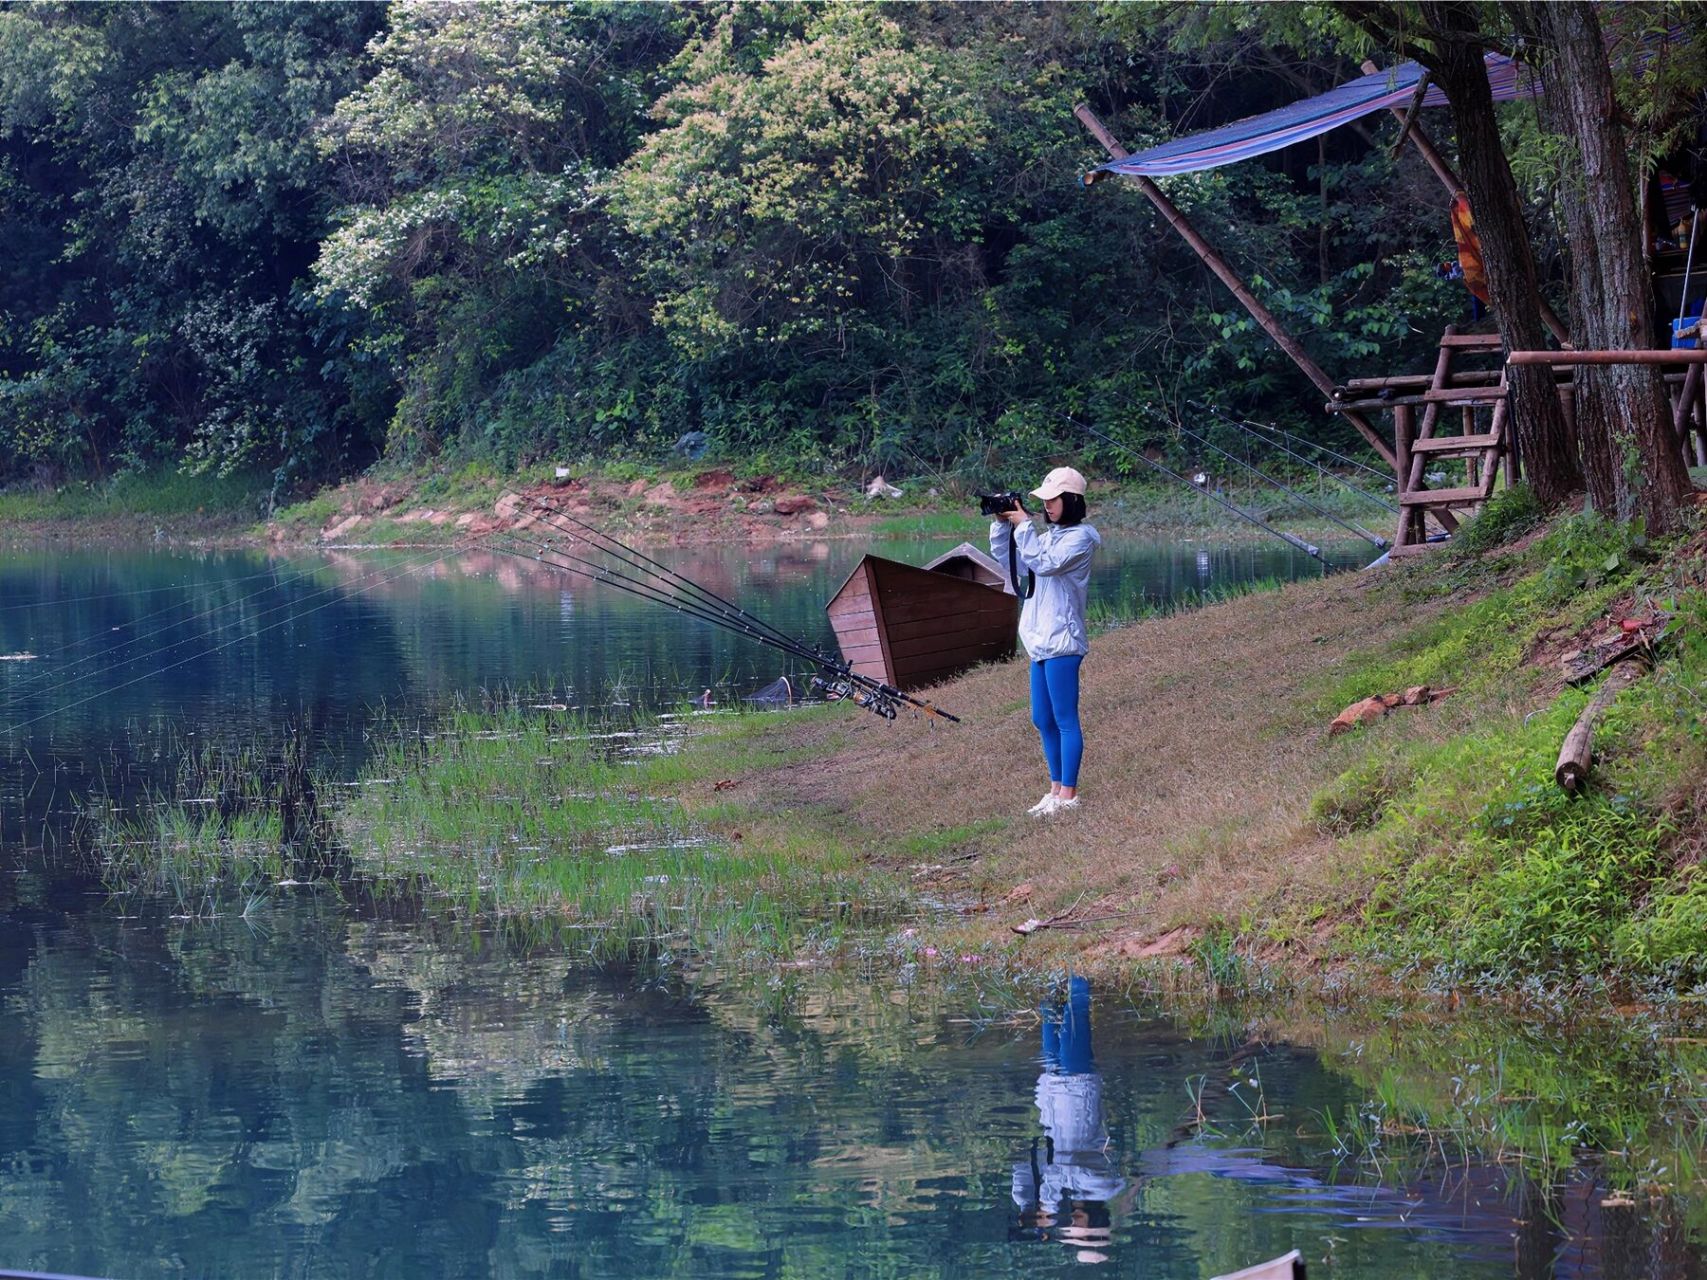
{"x": 320, "y": 1090}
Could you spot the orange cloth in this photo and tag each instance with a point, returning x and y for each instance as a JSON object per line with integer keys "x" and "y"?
{"x": 1469, "y": 248}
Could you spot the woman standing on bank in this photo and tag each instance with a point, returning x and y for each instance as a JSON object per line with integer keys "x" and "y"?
{"x": 1052, "y": 622}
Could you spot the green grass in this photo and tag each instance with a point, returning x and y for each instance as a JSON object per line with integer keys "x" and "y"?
{"x": 1565, "y": 580}
{"x": 1481, "y": 871}
{"x": 511, "y": 812}
{"x": 218, "y": 837}
{"x": 161, "y": 494}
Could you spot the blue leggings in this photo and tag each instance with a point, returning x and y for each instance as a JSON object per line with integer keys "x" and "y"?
{"x": 1055, "y": 712}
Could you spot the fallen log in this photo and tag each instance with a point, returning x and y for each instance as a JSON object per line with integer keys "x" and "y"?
{"x": 1576, "y": 753}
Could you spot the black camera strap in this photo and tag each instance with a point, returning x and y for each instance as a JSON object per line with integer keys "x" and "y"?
{"x": 1013, "y": 569}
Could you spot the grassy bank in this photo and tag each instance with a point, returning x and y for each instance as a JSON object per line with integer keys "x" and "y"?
{"x": 1223, "y": 828}
{"x": 397, "y": 506}
{"x": 151, "y": 505}
{"x": 734, "y": 502}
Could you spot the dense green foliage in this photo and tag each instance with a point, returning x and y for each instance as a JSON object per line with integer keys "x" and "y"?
{"x": 296, "y": 236}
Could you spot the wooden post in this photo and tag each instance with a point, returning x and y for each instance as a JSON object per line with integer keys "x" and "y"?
{"x": 1685, "y": 410}
{"x": 1216, "y": 263}
{"x": 1576, "y": 753}
{"x": 1402, "y": 468}
{"x": 1701, "y": 426}
{"x": 1449, "y": 180}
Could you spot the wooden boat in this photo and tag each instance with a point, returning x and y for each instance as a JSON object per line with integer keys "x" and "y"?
{"x": 912, "y": 627}
{"x": 1290, "y": 1267}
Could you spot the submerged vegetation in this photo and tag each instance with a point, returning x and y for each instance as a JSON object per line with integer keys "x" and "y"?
{"x": 521, "y": 813}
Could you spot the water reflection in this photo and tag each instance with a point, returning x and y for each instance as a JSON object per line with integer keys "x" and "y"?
{"x": 1067, "y": 1184}
{"x": 321, "y": 1091}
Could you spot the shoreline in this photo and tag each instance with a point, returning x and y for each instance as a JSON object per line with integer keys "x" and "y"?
{"x": 711, "y": 505}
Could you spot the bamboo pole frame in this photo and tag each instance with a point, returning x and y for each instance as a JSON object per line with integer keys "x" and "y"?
{"x": 1216, "y": 263}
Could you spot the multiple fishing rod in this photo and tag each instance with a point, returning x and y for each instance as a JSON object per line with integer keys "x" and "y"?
{"x": 1308, "y": 548}
{"x": 622, "y": 566}
{"x": 1253, "y": 429}
{"x": 1379, "y": 542}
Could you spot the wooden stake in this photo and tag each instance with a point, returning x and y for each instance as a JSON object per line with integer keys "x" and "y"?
{"x": 1216, "y": 263}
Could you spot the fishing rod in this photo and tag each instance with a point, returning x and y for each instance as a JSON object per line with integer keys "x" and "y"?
{"x": 547, "y": 552}
{"x": 1320, "y": 470}
{"x": 682, "y": 593}
{"x": 836, "y": 677}
{"x": 1309, "y": 549}
{"x": 603, "y": 543}
{"x": 1382, "y": 476}
{"x": 648, "y": 579}
{"x": 1359, "y": 530}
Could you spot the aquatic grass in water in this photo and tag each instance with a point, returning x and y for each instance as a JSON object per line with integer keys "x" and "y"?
{"x": 511, "y": 811}
{"x": 235, "y": 823}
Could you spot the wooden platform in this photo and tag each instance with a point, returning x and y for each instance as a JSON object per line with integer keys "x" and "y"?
{"x": 912, "y": 627}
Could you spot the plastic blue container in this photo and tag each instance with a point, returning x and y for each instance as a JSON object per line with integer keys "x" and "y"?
{"x": 1678, "y": 326}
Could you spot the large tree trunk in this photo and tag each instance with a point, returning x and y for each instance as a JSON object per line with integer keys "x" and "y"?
{"x": 1544, "y": 443}
{"x": 1633, "y": 464}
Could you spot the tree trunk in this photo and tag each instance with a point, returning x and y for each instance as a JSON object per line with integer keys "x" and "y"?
{"x": 1623, "y": 415}
{"x": 1543, "y": 441}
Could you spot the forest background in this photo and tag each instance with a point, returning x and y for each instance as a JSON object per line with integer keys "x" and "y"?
{"x": 287, "y": 240}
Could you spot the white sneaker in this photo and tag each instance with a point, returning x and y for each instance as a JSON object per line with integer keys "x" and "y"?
{"x": 1043, "y": 806}
{"x": 1061, "y": 806}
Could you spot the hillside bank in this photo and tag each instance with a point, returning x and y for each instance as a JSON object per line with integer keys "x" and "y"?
{"x": 1225, "y": 830}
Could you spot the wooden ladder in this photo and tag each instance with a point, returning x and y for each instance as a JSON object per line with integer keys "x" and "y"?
{"x": 1415, "y": 447}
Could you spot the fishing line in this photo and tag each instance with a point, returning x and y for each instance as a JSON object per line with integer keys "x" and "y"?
{"x": 125, "y": 595}
{"x": 872, "y": 694}
{"x": 40, "y": 689}
{"x": 1308, "y": 549}
{"x": 1316, "y": 467}
{"x": 1383, "y": 476}
{"x": 648, "y": 566}
{"x": 682, "y": 593}
{"x": 1380, "y": 542}
{"x": 596, "y": 572}
{"x": 669, "y": 595}
{"x": 340, "y": 591}
{"x": 31, "y": 689}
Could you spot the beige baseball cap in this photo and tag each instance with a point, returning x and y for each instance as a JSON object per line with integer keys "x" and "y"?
{"x": 1059, "y": 481}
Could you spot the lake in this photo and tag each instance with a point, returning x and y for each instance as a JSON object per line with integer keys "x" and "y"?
{"x": 318, "y": 1085}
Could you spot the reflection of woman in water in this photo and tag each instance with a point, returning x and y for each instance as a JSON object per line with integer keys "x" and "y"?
{"x": 1063, "y": 1187}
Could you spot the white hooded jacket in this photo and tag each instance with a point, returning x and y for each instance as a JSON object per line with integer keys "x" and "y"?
{"x": 1052, "y": 622}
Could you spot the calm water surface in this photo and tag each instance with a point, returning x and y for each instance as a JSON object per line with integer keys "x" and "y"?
{"x": 320, "y": 1088}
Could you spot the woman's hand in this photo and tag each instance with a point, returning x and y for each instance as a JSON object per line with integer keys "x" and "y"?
{"x": 1016, "y": 516}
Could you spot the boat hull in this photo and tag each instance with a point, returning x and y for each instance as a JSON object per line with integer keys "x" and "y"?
{"x": 912, "y": 627}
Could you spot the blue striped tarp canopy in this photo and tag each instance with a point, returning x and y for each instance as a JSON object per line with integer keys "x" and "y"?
{"x": 1301, "y": 121}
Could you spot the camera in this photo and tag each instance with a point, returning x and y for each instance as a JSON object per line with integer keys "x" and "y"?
{"x": 994, "y": 504}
